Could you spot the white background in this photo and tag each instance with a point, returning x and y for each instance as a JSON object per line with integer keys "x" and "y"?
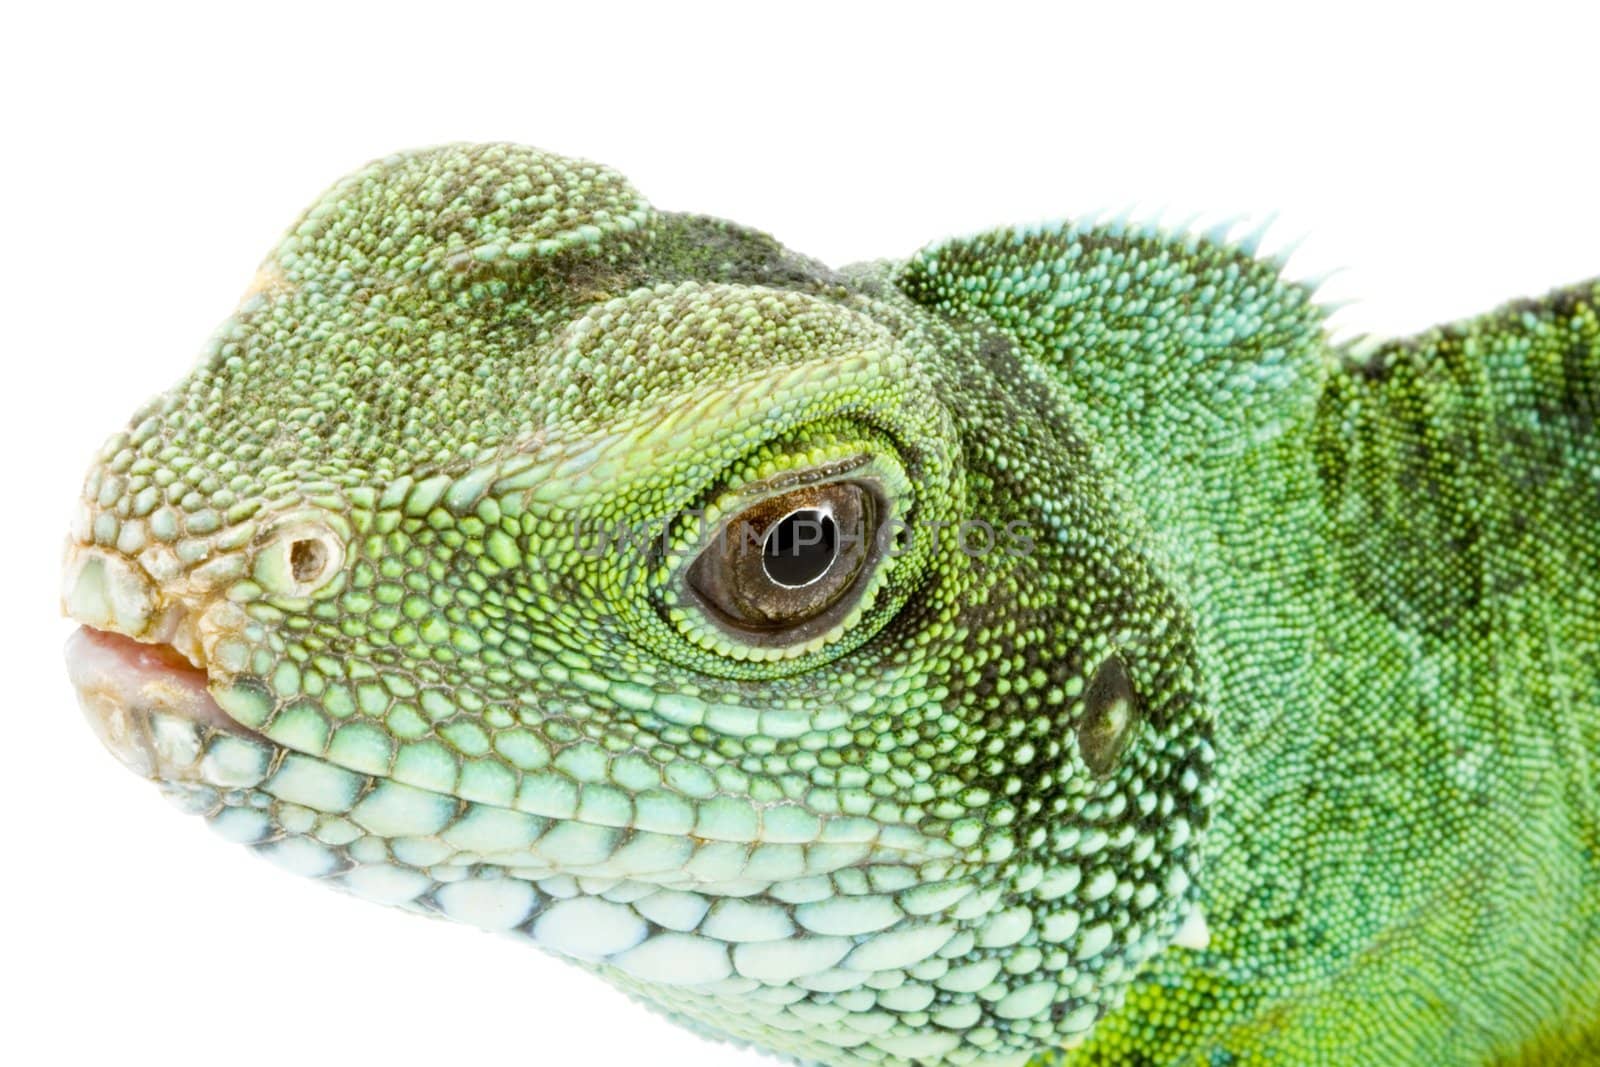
{"x": 1447, "y": 158}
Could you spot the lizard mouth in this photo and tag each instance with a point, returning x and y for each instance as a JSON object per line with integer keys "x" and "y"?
{"x": 145, "y": 701}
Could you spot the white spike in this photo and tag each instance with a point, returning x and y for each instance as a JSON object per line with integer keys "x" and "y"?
{"x": 1186, "y": 231}
{"x": 1361, "y": 348}
{"x": 1218, "y": 234}
{"x": 1122, "y": 222}
{"x": 1281, "y": 255}
{"x": 1194, "y": 933}
{"x": 1330, "y": 307}
{"x": 1086, "y": 222}
{"x": 1342, "y": 337}
{"x": 1252, "y": 240}
{"x": 1321, "y": 278}
{"x": 1155, "y": 225}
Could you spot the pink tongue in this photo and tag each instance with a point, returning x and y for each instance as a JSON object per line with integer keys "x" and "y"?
{"x": 136, "y": 678}
{"x": 139, "y": 654}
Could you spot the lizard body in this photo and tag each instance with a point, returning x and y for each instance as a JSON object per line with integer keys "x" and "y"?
{"x": 1169, "y": 685}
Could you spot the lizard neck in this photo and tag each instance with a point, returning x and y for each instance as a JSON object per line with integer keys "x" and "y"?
{"x": 1402, "y": 735}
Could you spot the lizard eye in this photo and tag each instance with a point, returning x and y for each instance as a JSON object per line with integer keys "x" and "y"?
{"x": 801, "y": 552}
{"x": 787, "y": 568}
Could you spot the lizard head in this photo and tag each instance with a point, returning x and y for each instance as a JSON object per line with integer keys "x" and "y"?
{"x": 766, "y": 642}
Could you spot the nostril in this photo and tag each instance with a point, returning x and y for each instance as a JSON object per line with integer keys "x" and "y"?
{"x": 308, "y": 558}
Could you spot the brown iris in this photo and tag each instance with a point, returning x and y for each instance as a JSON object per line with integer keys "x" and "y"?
{"x": 782, "y": 570}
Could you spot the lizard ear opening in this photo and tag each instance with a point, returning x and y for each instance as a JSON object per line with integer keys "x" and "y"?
{"x": 1111, "y": 715}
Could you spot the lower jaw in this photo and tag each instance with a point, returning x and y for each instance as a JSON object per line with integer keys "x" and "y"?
{"x": 494, "y": 868}
{"x": 599, "y": 917}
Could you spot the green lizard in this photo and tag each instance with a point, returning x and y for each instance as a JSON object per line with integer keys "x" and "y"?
{"x": 1052, "y": 642}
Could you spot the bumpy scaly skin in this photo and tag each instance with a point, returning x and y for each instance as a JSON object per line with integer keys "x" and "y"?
{"x": 1355, "y": 599}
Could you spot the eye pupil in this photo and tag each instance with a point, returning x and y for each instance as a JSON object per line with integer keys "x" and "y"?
{"x": 783, "y": 569}
{"x": 801, "y": 548}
